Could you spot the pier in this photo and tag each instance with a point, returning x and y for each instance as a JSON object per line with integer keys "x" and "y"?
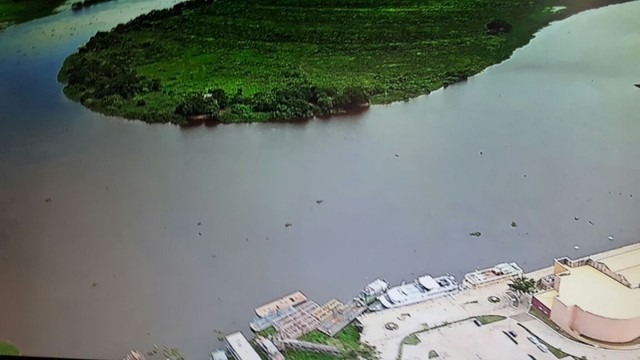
{"x": 340, "y": 317}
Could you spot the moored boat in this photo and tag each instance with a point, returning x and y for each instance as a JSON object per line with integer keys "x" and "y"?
{"x": 371, "y": 292}
{"x": 422, "y": 289}
{"x": 495, "y": 274}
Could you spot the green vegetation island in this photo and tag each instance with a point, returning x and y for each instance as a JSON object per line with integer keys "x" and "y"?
{"x": 274, "y": 60}
{"x": 19, "y": 11}
{"x": 8, "y": 349}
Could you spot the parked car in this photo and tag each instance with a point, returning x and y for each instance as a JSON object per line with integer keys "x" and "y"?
{"x": 477, "y": 322}
{"x": 532, "y": 357}
{"x": 512, "y": 333}
{"x": 542, "y": 348}
{"x": 533, "y": 340}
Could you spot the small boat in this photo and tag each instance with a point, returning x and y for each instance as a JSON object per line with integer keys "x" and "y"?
{"x": 371, "y": 292}
{"x": 495, "y": 274}
{"x": 376, "y": 306}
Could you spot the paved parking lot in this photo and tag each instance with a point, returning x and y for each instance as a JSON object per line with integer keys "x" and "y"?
{"x": 467, "y": 341}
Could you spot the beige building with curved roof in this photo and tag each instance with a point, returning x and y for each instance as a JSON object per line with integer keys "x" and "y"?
{"x": 596, "y": 299}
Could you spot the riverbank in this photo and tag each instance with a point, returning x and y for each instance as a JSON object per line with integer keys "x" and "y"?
{"x": 283, "y": 60}
{"x": 79, "y": 5}
{"x": 8, "y": 349}
{"x": 15, "y": 12}
{"x": 385, "y": 334}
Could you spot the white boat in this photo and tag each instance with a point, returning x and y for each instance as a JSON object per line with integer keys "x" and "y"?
{"x": 422, "y": 289}
{"x": 498, "y": 273}
{"x": 371, "y": 292}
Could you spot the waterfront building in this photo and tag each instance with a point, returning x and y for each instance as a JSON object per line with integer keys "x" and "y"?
{"x": 595, "y": 299}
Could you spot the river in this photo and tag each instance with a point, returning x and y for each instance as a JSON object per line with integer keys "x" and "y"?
{"x": 100, "y": 247}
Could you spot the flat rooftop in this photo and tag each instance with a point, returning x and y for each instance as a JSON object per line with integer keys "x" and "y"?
{"x": 595, "y": 292}
{"x": 626, "y": 264}
{"x": 547, "y": 297}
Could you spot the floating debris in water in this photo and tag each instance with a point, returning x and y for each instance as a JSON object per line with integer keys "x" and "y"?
{"x": 576, "y": 218}
{"x": 476, "y": 234}
{"x": 513, "y": 224}
{"x": 288, "y": 225}
{"x": 396, "y": 155}
{"x": 590, "y": 222}
{"x": 199, "y": 223}
{"x": 319, "y": 201}
{"x": 576, "y": 247}
{"x": 48, "y": 200}
{"x": 610, "y": 237}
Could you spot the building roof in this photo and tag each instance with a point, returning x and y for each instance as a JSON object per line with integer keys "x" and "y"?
{"x": 626, "y": 264}
{"x": 546, "y": 298}
{"x": 241, "y": 347}
{"x": 284, "y": 302}
{"x": 595, "y": 292}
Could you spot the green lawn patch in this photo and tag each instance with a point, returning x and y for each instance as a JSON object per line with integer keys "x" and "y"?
{"x": 488, "y": 319}
{"x": 411, "y": 340}
{"x": 268, "y": 332}
{"x": 347, "y": 338}
{"x": 304, "y": 355}
{"x": 267, "y": 60}
{"x": 18, "y": 11}
{"x": 8, "y": 349}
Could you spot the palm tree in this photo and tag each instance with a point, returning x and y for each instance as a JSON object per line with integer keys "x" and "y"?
{"x": 522, "y": 285}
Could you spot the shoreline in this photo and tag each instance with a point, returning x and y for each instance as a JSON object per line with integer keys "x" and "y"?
{"x": 15, "y": 12}
{"x": 463, "y": 299}
{"x": 285, "y": 97}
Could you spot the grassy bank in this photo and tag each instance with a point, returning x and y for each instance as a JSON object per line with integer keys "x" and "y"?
{"x": 262, "y": 60}
{"x": 8, "y": 349}
{"x": 18, "y": 11}
{"x": 348, "y": 339}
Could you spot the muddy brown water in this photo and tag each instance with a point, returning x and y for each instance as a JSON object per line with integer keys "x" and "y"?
{"x": 100, "y": 247}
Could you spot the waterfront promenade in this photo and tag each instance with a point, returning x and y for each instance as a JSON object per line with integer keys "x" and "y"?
{"x": 455, "y": 338}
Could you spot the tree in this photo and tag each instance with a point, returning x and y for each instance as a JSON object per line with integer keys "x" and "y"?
{"x": 198, "y": 104}
{"x": 522, "y": 285}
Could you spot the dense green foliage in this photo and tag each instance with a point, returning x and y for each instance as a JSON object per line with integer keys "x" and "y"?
{"x": 291, "y": 59}
{"x": 347, "y": 339}
{"x": 17, "y": 11}
{"x": 522, "y": 285}
{"x": 8, "y": 349}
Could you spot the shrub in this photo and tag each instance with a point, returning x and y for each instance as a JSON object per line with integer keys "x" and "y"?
{"x": 198, "y": 104}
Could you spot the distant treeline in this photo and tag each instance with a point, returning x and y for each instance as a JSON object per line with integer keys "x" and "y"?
{"x": 86, "y": 3}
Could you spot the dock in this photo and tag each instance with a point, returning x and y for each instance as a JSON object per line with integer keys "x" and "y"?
{"x": 262, "y": 323}
{"x": 284, "y": 302}
{"x": 298, "y": 323}
{"x": 340, "y": 317}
